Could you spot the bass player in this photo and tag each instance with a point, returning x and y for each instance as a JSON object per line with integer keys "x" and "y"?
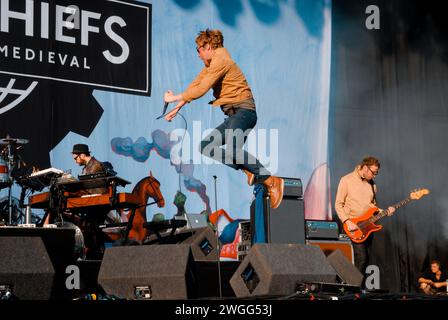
{"x": 355, "y": 195}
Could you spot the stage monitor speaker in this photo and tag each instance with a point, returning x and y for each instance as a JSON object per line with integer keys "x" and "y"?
{"x": 285, "y": 224}
{"x": 26, "y": 270}
{"x": 277, "y": 269}
{"x": 202, "y": 241}
{"x": 62, "y": 248}
{"x": 155, "y": 272}
{"x": 346, "y": 271}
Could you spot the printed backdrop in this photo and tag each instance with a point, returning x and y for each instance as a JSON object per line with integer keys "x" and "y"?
{"x": 128, "y": 53}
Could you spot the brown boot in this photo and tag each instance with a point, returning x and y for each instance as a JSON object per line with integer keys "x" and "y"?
{"x": 250, "y": 177}
{"x": 275, "y": 187}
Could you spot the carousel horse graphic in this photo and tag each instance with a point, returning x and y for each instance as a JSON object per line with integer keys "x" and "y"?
{"x": 143, "y": 190}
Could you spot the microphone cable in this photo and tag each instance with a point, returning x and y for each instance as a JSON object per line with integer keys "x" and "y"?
{"x": 181, "y": 146}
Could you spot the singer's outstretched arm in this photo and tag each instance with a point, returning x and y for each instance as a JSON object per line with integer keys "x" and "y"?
{"x": 170, "y": 97}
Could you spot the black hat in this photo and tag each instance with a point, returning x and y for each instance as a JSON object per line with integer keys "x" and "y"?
{"x": 80, "y": 148}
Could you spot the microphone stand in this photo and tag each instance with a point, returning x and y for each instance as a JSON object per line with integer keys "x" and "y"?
{"x": 10, "y": 167}
{"x": 217, "y": 243}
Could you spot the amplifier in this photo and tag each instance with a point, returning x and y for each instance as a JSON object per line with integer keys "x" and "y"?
{"x": 317, "y": 229}
{"x": 293, "y": 187}
{"x": 245, "y": 243}
{"x": 285, "y": 224}
{"x": 328, "y": 246}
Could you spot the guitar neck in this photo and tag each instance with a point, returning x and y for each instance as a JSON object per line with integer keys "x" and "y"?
{"x": 383, "y": 213}
{"x": 402, "y": 203}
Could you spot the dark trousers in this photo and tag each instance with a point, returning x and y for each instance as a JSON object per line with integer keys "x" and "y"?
{"x": 94, "y": 238}
{"x": 233, "y": 133}
{"x": 361, "y": 253}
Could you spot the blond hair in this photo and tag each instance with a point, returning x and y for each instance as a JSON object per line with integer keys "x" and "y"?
{"x": 212, "y": 37}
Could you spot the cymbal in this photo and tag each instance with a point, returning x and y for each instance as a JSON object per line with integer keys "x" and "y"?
{"x": 9, "y": 140}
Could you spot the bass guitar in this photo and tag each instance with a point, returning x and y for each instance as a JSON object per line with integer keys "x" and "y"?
{"x": 366, "y": 222}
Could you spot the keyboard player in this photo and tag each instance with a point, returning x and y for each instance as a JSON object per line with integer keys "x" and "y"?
{"x": 81, "y": 155}
{"x": 88, "y": 219}
{"x": 93, "y": 237}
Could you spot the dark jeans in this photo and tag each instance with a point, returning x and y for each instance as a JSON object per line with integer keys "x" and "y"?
{"x": 361, "y": 253}
{"x": 233, "y": 133}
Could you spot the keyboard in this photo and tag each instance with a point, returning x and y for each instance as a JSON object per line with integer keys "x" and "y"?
{"x": 124, "y": 200}
{"x": 45, "y": 172}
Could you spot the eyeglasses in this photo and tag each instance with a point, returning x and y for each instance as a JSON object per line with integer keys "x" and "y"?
{"x": 204, "y": 46}
{"x": 374, "y": 173}
{"x": 76, "y": 156}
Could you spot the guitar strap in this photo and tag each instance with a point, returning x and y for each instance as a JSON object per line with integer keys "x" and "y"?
{"x": 372, "y": 184}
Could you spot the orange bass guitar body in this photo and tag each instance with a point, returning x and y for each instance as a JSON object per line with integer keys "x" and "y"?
{"x": 365, "y": 227}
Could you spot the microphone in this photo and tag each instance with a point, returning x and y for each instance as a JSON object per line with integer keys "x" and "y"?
{"x": 165, "y": 106}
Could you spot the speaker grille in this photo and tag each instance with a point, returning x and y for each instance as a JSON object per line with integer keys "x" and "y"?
{"x": 161, "y": 270}
{"x": 278, "y": 268}
{"x": 26, "y": 268}
{"x": 285, "y": 224}
{"x": 346, "y": 271}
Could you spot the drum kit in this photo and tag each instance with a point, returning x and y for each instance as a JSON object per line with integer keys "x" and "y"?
{"x": 14, "y": 170}
{"x": 10, "y": 208}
